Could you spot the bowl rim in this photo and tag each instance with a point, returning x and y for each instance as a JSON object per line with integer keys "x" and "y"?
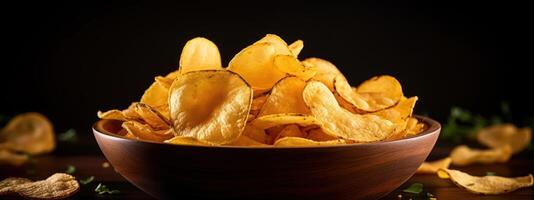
{"x": 434, "y": 127}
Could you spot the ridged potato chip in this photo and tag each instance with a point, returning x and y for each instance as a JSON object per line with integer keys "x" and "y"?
{"x": 296, "y": 47}
{"x": 463, "y": 155}
{"x": 298, "y": 141}
{"x": 285, "y": 97}
{"x": 30, "y": 133}
{"x": 200, "y": 54}
{"x": 486, "y": 184}
{"x": 146, "y": 132}
{"x": 432, "y": 167}
{"x": 268, "y": 121}
{"x": 375, "y": 94}
{"x": 326, "y": 71}
{"x": 210, "y": 106}
{"x": 499, "y": 135}
{"x": 339, "y": 122}
{"x": 57, "y": 186}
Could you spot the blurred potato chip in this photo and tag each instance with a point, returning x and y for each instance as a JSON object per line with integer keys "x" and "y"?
{"x": 296, "y": 47}
{"x": 339, "y": 122}
{"x": 57, "y": 186}
{"x": 210, "y": 106}
{"x": 463, "y": 155}
{"x": 200, "y": 54}
{"x": 268, "y": 121}
{"x": 186, "y": 141}
{"x": 12, "y": 158}
{"x": 30, "y": 133}
{"x": 286, "y": 97}
{"x": 326, "y": 71}
{"x": 499, "y": 135}
{"x": 146, "y": 132}
{"x": 375, "y": 94}
{"x": 432, "y": 167}
{"x": 486, "y": 184}
{"x": 291, "y": 65}
{"x": 298, "y": 141}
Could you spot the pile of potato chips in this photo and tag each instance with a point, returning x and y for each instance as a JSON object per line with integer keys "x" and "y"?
{"x": 266, "y": 96}
{"x": 503, "y": 141}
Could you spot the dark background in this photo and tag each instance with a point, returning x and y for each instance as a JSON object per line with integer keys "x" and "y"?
{"x": 69, "y": 60}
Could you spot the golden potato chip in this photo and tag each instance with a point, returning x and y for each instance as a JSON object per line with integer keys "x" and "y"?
{"x": 463, "y": 155}
{"x": 291, "y": 130}
{"x": 372, "y": 95}
{"x": 268, "y": 121}
{"x": 505, "y": 134}
{"x": 57, "y": 186}
{"x": 385, "y": 84}
{"x": 286, "y": 97}
{"x": 487, "y": 184}
{"x": 256, "y": 134}
{"x": 413, "y": 127}
{"x": 432, "y": 167}
{"x": 326, "y": 71}
{"x": 280, "y": 46}
{"x": 12, "y": 158}
{"x": 398, "y": 114}
{"x": 298, "y": 141}
{"x": 257, "y": 104}
{"x": 30, "y": 133}
{"x": 112, "y": 114}
{"x": 210, "y": 106}
{"x": 319, "y": 135}
{"x": 199, "y": 54}
{"x": 186, "y": 141}
{"x": 296, "y": 47}
{"x": 256, "y": 65}
{"x": 291, "y": 65}
{"x": 152, "y": 117}
{"x": 157, "y": 94}
{"x": 339, "y": 122}
{"x": 146, "y": 132}
{"x": 246, "y": 141}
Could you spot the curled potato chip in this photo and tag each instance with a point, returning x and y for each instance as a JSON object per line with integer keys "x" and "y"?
{"x": 30, "y": 133}
{"x": 413, "y": 127}
{"x": 152, "y": 117}
{"x": 112, "y": 114}
{"x": 199, "y": 54}
{"x": 187, "y": 141}
{"x": 296, "y": 47}
{"x": 146, "y": 132}
{"x": 156, "y": 96}
{"x": 256, "y": 65}
{"x": 326, "y": 71}
{"x": 12, "y": 158}
{"x": 399, "y": 114}
{"x": 463, "y": 155}
{"x": 211, "y": 106}
{"x": 280, "y": 46}
{"x": 486, "y": 184}
{"x": 339, "y": 122}
{"x": 298, "y": 141}
{"x": 286, "y": 97}
{"x": 505, "y": 134}
{"x": 432, "y": 167}
{"x": 372, "y": 95}
{"x": 57, "y": 186}
{"x": 291, "y": 65}
{"x": 268, "y": 121}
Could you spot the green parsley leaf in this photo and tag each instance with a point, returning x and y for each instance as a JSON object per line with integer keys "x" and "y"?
{"x": 103, "y": 189}
{"x": 87, "y": 180}
{"x": 70, "y": 169}
{"x": 415, "y": 188}
{"x": 68, "y": 136}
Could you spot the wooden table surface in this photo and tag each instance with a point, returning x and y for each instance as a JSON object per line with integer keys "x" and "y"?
{"x": 87, "y": 159}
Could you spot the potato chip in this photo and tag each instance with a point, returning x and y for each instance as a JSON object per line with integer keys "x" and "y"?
{"x": 268, "y": 121}
{"x": 146, "y": 132}
{"x": 12, "y": 158}
{"x": 30, "y": 133}
{"x": 291, "y": 130}
{"x": 152, "y": 117}
{"x": 296, "y": 47}
{"x": 112, "y": 114}
{"x": 256, "y": 134}
{"x": 399, "y": 114}
{"x": 256, "y": 65}
{"x": 319, "y": 135}
{"x": 200, "y": 54}
{"x": 257, "y": 105}
{"x": 280, "y": 46}
{"x": 211, "y": 106}
{"x": 298, "y": 141}
{"x": 375, "y": 94}
{"x": 326, "y": 71}
{"x": 291, "y": 65}
{"x": 186, "y": 141}
{"x": 57, "y": 186}
{"x": 413, "y": 127}
{"x": 156, "y": 96}
{"x": 339, "y": 122}
{"x": 286, "y": 97}
{"x": 463, "y": 155}
{"x": 432, "y": 167}
{"x": 487, "y": 184}
{"x": 505, "y": 134}
{"x": 246, "y": 141}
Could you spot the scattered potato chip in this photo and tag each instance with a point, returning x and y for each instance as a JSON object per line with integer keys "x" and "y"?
{"x": 186, "y": 141}
{"x": 200, "y": 54}
{"x": 211, "y": 106}
{"x": 285, "y": 97}
{"x": 505, "y": 134}
{"x": 268, "y": 121}
{"x": 291, "y": 65}
{"x": 12, "y": 158}
{"x": 339, "y": 122}
{"x": 375, "y": 94}
{"x": 57, "y": 186}
{"x": 326, "y": 71}
{"x": 463, "y": 155}
{"x": 146, "y": 132}
{"x": 30, "y": 133}
{"x": 298, "y": 141}
{"x": 296, "y": 47}
{"x": 432, "y": 167}
{"x": 486, "y": 184}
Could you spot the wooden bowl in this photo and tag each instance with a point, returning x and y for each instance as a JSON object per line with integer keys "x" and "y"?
{"x": 356, "y": 171}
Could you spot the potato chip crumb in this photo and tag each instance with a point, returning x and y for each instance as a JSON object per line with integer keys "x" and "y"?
{"x": 105, "y": 165}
